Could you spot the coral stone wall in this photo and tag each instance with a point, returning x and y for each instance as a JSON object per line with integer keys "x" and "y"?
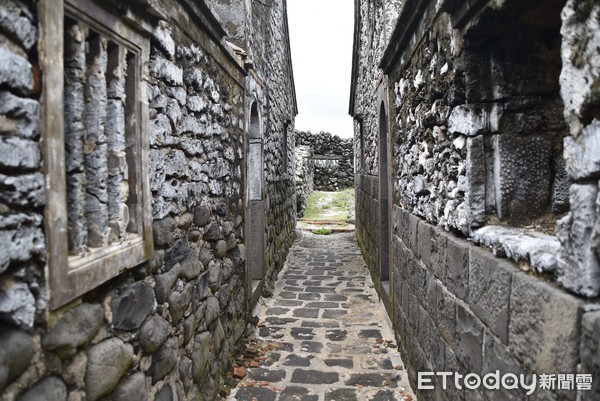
{"x": 334, "y": 159}
{"x": 488, "y": 126}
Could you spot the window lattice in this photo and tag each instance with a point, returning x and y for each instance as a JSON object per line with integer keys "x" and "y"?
{"x": 98, "y": 95}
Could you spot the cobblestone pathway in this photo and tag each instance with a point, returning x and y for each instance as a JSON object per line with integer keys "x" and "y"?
{"x": 323, "y": 336}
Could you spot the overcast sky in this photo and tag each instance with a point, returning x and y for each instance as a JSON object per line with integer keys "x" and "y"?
{"x": 321, "y": 40}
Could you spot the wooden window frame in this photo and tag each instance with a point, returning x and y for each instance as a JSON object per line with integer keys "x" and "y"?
{"x": 69, "y": 277}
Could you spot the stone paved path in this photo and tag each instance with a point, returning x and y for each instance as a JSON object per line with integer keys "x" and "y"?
{"x": 325, "y": 333}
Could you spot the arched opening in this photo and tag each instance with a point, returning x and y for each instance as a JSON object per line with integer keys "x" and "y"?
{"x": 255, "y": 236}
{"x": 384, "y": 201}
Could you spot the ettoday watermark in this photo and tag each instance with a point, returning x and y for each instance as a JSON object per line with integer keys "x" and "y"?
{"x": 508, "y": 381}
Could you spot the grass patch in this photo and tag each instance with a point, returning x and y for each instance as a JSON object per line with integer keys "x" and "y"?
{"x": 329, "y": 205}
{"x": 322, "y": 231}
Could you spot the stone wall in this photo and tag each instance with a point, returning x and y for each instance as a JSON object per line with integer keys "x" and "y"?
{"x": 165, "y": 329}
{"x": 466, "y": 124}
{"x": 304, "y": 171}
{"x": 269, "y": 49}
{"x": 334, "y": 160}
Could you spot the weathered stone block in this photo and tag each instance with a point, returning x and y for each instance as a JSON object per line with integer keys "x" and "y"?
{"x": 446, "y": 320}
{"x": 469, "y": 339}
{"x": 166, "y": 70}
{"x": 580, "y": 153}
{"x": 439, "y": 243}
{"x": 160, "y": 132}
{"x": 213, "y": 232}
{"x": 17, "y": 21}
{"x": 23, "y": 191}
{"x": 474, "y": 119}
{"x": 131, "y": 388}
{"x": 425, "y": 243}
{"x": 452, "y": 364}
{"x": 544, "y": 329}
{"x": 165, "y": 394}
{"x": 496, "y": 356}
{"x": 165, "y": 283}
{"x": 176, "y": 253}
{"x": 164, "y": 360}
{"x": 578, "y": 263}
{"x": 220, "y": 248}
{"x": 579, "y": 75}
{"x": 153, "y": 333}
{"x": 179, "y": 302}
{"x": 475, "y": 192}
{"x": 522, "y": 174}
{"x": 185, "y": 372}
{"x": 17, "y": 304}
{"x": 21, "y": 238}
{"x": 19, "y": 153}
{"x": 489, "y": 290}
{"x": 457, "y": 265}
{"x": 163, "y": 231}
{"x": 75, "y": 329}
{"x": 16, "y": 352}
{"x": 15, "y": 72}
{"x": 201, "y": 355}
{"x": 132, "y": 305}
{"x": 22, "y": 116}
{"x": 108, "y": 362}
{"x": 590, "y": 353}
{"x": 190, "y": 266}
{"x": 50, "y": 388}
{"x": 162, "y": 38}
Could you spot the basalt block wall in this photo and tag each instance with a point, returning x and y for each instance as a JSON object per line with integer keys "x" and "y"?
{"x": 164, "y": 329}
{"x": 493, "y": 191}
{"x": 269, "y": 50}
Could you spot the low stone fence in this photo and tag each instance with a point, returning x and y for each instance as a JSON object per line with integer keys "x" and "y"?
{"x": 333, "y": 160}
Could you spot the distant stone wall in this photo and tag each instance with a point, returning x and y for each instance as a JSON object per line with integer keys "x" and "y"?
{"x": 305, "y": 170}
{"x": 334, "y": 159}
{"x": 167, "y": 328}
{"x": 482, "y": 134}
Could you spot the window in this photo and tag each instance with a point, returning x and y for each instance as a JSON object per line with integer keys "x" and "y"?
{"x": 98, "y": 215}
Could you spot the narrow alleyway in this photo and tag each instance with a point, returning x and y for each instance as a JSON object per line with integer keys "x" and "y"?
{"x": 323, "y": 336}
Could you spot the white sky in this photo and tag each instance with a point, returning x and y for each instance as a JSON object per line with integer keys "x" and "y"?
{"x": 321, "y": 41}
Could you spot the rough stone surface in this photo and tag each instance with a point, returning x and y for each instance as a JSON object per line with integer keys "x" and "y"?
{"x": 15, "y": 71}
{"x": 590, "y": 348}
{"x": 153, "y": 333}
{"x": 49, "y": 389}
{"x": 76, "y": 328}
{"x": 539, "y": 249}
{"x": 17, "y": 303}
{"x": 131, "y": 388}
{"x": 578, "y": 262}
{"x": 333, "y": 161}
{"x": 108, "y": 362}
{"x": 16, "y": 352}
{"x": 131, "y": 306}
{"x": 549, "y": 342}
{"x": 489, "y": 290}
{"x": 164, "y": 360}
